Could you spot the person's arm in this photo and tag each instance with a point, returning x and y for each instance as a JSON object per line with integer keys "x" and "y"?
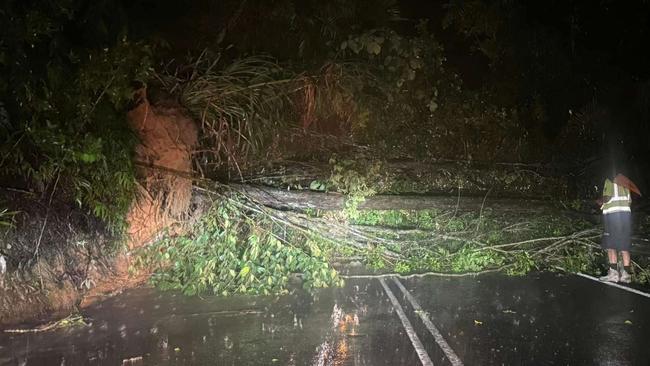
{"x": 601, "y": 200}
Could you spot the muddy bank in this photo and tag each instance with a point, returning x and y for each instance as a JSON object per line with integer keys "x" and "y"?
{"x": 168, "y": 138}
{"x": 60, "y": 257}
{"x": 54, "y": 253}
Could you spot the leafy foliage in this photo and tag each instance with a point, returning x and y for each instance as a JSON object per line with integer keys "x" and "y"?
{"x": 431, "y": 240}
{"x": 409, "y": 77}
{"x": 399, "y": 58}
{"x": 63, "y": 125}
{"x": 6, "y": 218}
{"x": 232, "y": 251}
{"x": 302, "y": 31}
{"x": 356, "y": 179}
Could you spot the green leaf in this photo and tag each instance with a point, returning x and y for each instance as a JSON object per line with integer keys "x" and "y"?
{"x": 317, "y": 185}
{"x": 244, "y": 271}
{"x": 433, "y": 106}
{"x": 373, "y": 48}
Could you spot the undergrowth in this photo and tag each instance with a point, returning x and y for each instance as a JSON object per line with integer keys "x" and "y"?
{"x": 6, "y": 218}
{"x": 233, "y": 251}
{"x": 63, "y": 129}
{"x": 460, "y": 242}
{"x": 448, "y": 242}
{"x": 357, "y": 179}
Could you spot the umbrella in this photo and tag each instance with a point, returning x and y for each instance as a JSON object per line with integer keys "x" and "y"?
{"x": 624, "y": 181}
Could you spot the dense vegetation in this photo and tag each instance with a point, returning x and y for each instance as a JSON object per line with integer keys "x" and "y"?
{"x": 63, "y": 98}
{"x": 367, "y": 75}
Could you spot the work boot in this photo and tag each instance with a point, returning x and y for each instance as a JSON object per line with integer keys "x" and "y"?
{"x": 625, "y": 277}
{"x": 612, "y": 276}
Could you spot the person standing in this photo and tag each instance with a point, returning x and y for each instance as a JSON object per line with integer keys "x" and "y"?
{"x": 617, "y": 219}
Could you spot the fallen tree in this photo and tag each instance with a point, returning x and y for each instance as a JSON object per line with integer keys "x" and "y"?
{"x": 441, "y": 177}
{"x": 246, "y": 234}
{"x": 305, "y": 199}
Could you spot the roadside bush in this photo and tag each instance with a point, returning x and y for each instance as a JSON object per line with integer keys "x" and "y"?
{"x": 62, "y": 123}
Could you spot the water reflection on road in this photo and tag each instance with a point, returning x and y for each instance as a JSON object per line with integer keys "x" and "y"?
{"x": 540, "y": 319}
{"x": 348, "y": 326}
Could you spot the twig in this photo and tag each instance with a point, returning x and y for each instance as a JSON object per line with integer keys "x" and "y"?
{"x": 4, "y": 157}
{"x": 71, "y": 320}
{"x": 92, "y": 109}
{"x": 536, "y": 240}
{"x": 480, "y": 216}
{"x": 220, "y": 313}
{"x": 455, "y": 209}
{"x": 511, "y": 228}
{"x": 47, "y": 214}
{"x": 420, "y": 275}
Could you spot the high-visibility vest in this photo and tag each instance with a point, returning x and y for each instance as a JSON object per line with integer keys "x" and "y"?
{"x": 619, "y": 200}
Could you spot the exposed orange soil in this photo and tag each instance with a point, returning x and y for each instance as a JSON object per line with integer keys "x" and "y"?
{"x": 168, "y": 138}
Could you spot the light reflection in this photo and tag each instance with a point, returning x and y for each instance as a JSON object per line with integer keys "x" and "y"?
{"x": 335, "y": 348}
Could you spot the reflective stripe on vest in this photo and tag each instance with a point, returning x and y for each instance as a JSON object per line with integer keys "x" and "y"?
{"x": 616, "y": 209}
{"x": 616, "y": 199}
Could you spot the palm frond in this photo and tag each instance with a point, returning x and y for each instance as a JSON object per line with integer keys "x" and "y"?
{"x": 235, "y": 103}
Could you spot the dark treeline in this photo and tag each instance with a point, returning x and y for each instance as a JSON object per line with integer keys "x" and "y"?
{"x": 565, "y": 81}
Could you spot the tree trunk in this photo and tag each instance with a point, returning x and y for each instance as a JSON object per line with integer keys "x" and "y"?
{"x": 446, "y": 177}
{"x": 302, "y": 200}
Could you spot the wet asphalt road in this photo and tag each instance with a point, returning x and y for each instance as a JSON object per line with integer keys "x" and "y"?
{"x": 544, "y": 319}
{"x": 541, "y": 319}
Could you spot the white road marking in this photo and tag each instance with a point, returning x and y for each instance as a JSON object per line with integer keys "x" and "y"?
{"x": 417, "y": 344}
{"x": 613, "y": 284}
{"x": 449, "y": 352}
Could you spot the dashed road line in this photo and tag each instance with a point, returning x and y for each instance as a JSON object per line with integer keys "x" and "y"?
{"x": 440, "y": 340}
{"x": 415, "y": 341}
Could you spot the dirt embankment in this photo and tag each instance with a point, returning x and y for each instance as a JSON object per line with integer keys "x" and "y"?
{"x": 54, "y": 252}
{"x": 168, "y": 137}
{"x": 60, "y": 258}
